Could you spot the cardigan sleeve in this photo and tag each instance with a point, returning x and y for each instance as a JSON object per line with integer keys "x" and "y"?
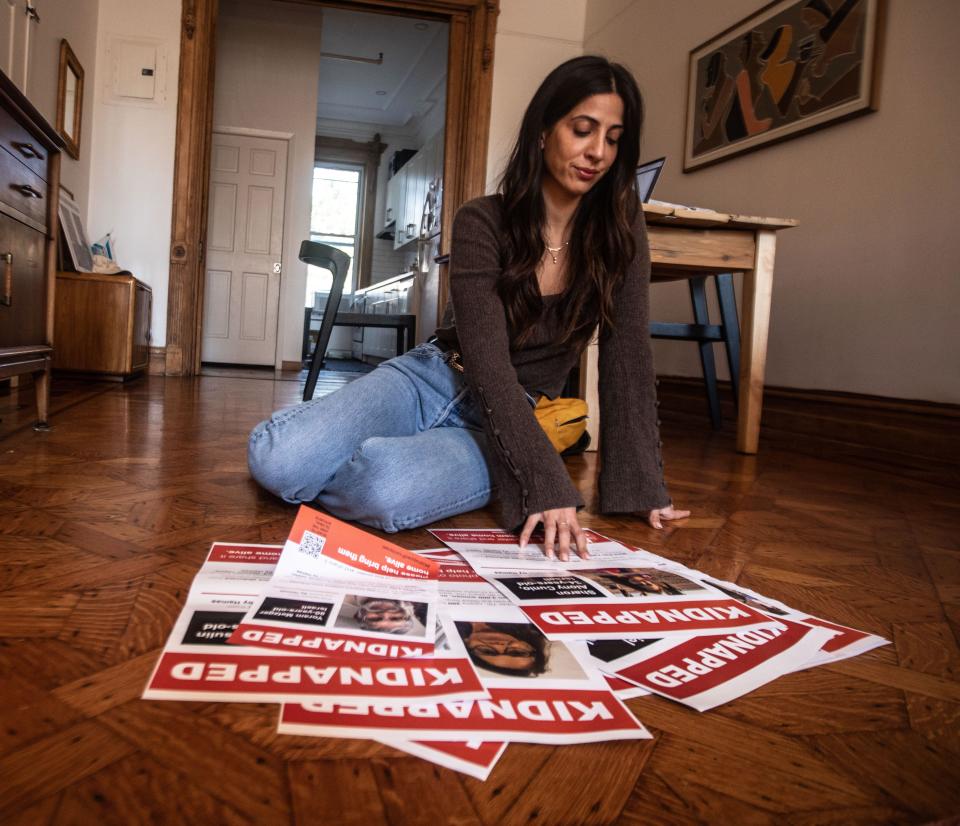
{"x": 631, "y": 471}
{"x": 529, "y": 474}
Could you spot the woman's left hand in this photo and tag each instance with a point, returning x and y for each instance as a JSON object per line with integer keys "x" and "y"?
{"x": 657, "y": 517}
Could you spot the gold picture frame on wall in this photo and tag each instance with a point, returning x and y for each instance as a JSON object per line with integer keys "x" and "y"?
{"x": 69, "y": 99}
{"x": 793, "y": 66}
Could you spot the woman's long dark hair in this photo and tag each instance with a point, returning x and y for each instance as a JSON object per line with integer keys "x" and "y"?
{"x": 601, "y": 240}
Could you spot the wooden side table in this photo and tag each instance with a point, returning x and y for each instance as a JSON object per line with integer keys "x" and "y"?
{"x": 688, "y": 243}
{"x": 102, "y": 324}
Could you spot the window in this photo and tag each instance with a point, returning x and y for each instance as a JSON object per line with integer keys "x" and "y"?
{"x": 334, "y": 219}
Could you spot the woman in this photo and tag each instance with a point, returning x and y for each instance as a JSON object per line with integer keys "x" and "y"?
{"x": 534, "y": 270}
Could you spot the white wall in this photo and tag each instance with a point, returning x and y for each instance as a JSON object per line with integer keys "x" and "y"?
{"x": 77, "y": 22}
{"x": 268, "y": 69}
{"x": 533, "y": 37}
{"x": 132, "y": 149}
{"x": 866, "y": 291}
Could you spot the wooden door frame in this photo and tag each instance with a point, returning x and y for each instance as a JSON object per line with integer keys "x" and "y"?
{"x": 469, "y": 92}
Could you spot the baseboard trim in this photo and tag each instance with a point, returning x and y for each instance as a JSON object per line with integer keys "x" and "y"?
{"x": 876, "y": 430}
{"x": 295, "y": 366}
{"x": 885, "y": 403}
{"x": 158, "y": 361}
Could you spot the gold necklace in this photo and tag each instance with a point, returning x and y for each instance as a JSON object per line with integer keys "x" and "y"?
{"x": 555, "y": 251}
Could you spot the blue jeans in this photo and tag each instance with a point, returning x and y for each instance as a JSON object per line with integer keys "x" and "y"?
{"x": 400, "y": 447}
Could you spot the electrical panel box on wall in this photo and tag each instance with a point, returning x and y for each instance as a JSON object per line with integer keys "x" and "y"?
{"x": 137, "y": 74}
{"x": 136, "y": 70}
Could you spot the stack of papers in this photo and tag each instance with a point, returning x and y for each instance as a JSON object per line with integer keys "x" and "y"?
{"x": 451, "y": 653}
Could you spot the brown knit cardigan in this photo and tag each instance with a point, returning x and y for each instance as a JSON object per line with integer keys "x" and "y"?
{"x": 529, "y": 475}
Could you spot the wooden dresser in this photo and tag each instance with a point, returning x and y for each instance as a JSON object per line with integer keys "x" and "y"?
{"x": 102, "y": 323}
{"x": 29, "y": 188}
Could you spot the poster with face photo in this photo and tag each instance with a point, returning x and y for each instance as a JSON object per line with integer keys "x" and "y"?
{"x": 538, "y": 691}
{"x": 618, "y": 602}
{"x": 199, "y": 663}
{"x": 617, "y": 592}
{"x": 841, "y": 643}
{"x": 340, "y": 591}
{"x": 711, "y": 669}
{"x": 503, "y": 645}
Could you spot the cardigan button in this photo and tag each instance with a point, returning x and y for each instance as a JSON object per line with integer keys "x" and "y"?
{"x": 524, "y": 492}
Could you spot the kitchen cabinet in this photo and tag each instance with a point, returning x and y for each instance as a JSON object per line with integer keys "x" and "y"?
{"x": 395, "y": 195}
{"x": 407, "y": 191}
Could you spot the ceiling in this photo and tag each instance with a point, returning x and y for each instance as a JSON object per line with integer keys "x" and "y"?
{"x": 407, "y": 85}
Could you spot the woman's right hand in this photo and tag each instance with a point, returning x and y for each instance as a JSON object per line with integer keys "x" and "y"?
{"x": 560, "y": 526}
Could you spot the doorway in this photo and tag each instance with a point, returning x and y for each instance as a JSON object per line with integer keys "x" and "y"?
{"x": 471, "y": 32}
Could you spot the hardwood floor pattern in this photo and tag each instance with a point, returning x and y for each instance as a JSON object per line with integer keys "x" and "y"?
{"x": 105, "y": 520}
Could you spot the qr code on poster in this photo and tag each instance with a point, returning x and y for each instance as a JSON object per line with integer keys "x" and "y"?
{"x": 312, "y": 545}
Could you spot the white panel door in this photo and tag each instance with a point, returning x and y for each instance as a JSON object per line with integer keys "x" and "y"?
{"x": 244, "y": 240}
{"x": 17, "y": 32}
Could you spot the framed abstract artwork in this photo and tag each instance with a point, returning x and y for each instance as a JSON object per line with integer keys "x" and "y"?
{"x": 794, "y": 66}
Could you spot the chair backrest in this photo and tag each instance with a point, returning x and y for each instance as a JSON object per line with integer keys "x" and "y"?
{"x": 338, "y": 262}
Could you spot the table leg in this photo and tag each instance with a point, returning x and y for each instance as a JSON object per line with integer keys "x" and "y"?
{"x": 589, "y": 392}
{"x": 757, "y": 291}
{"x": 41, "y": 380}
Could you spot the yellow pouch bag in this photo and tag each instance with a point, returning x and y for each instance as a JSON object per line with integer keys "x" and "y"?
{"x": 563, "y": 420}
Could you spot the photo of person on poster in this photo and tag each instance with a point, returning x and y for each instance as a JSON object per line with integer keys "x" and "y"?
{"x": 386, "y": 616}
{"x": 632, "y": 582}
{"x": 517, "y": 649}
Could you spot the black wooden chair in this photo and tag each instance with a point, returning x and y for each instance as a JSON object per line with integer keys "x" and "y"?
{"x": 338, "y": 262}
{"x": 705, "y": 334}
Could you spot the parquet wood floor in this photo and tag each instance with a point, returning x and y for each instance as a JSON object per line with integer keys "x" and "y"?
{"x": 105, "y": 520}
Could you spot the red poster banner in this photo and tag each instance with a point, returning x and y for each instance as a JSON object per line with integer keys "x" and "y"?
{"x": 514, "y": 714}
{"x": 704, "y": 662}
{"x": 325, "y": 643}
{"x": 638, "y": 619}
{"x": 271, "y": 678}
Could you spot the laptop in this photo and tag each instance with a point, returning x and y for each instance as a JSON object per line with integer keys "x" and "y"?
{"x": 647, "y": 174}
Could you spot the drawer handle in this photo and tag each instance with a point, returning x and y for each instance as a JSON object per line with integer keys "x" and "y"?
{"x": 7, "y": 298}
{"x": 28, "y": 150}
{"x": 27, "y": 191}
